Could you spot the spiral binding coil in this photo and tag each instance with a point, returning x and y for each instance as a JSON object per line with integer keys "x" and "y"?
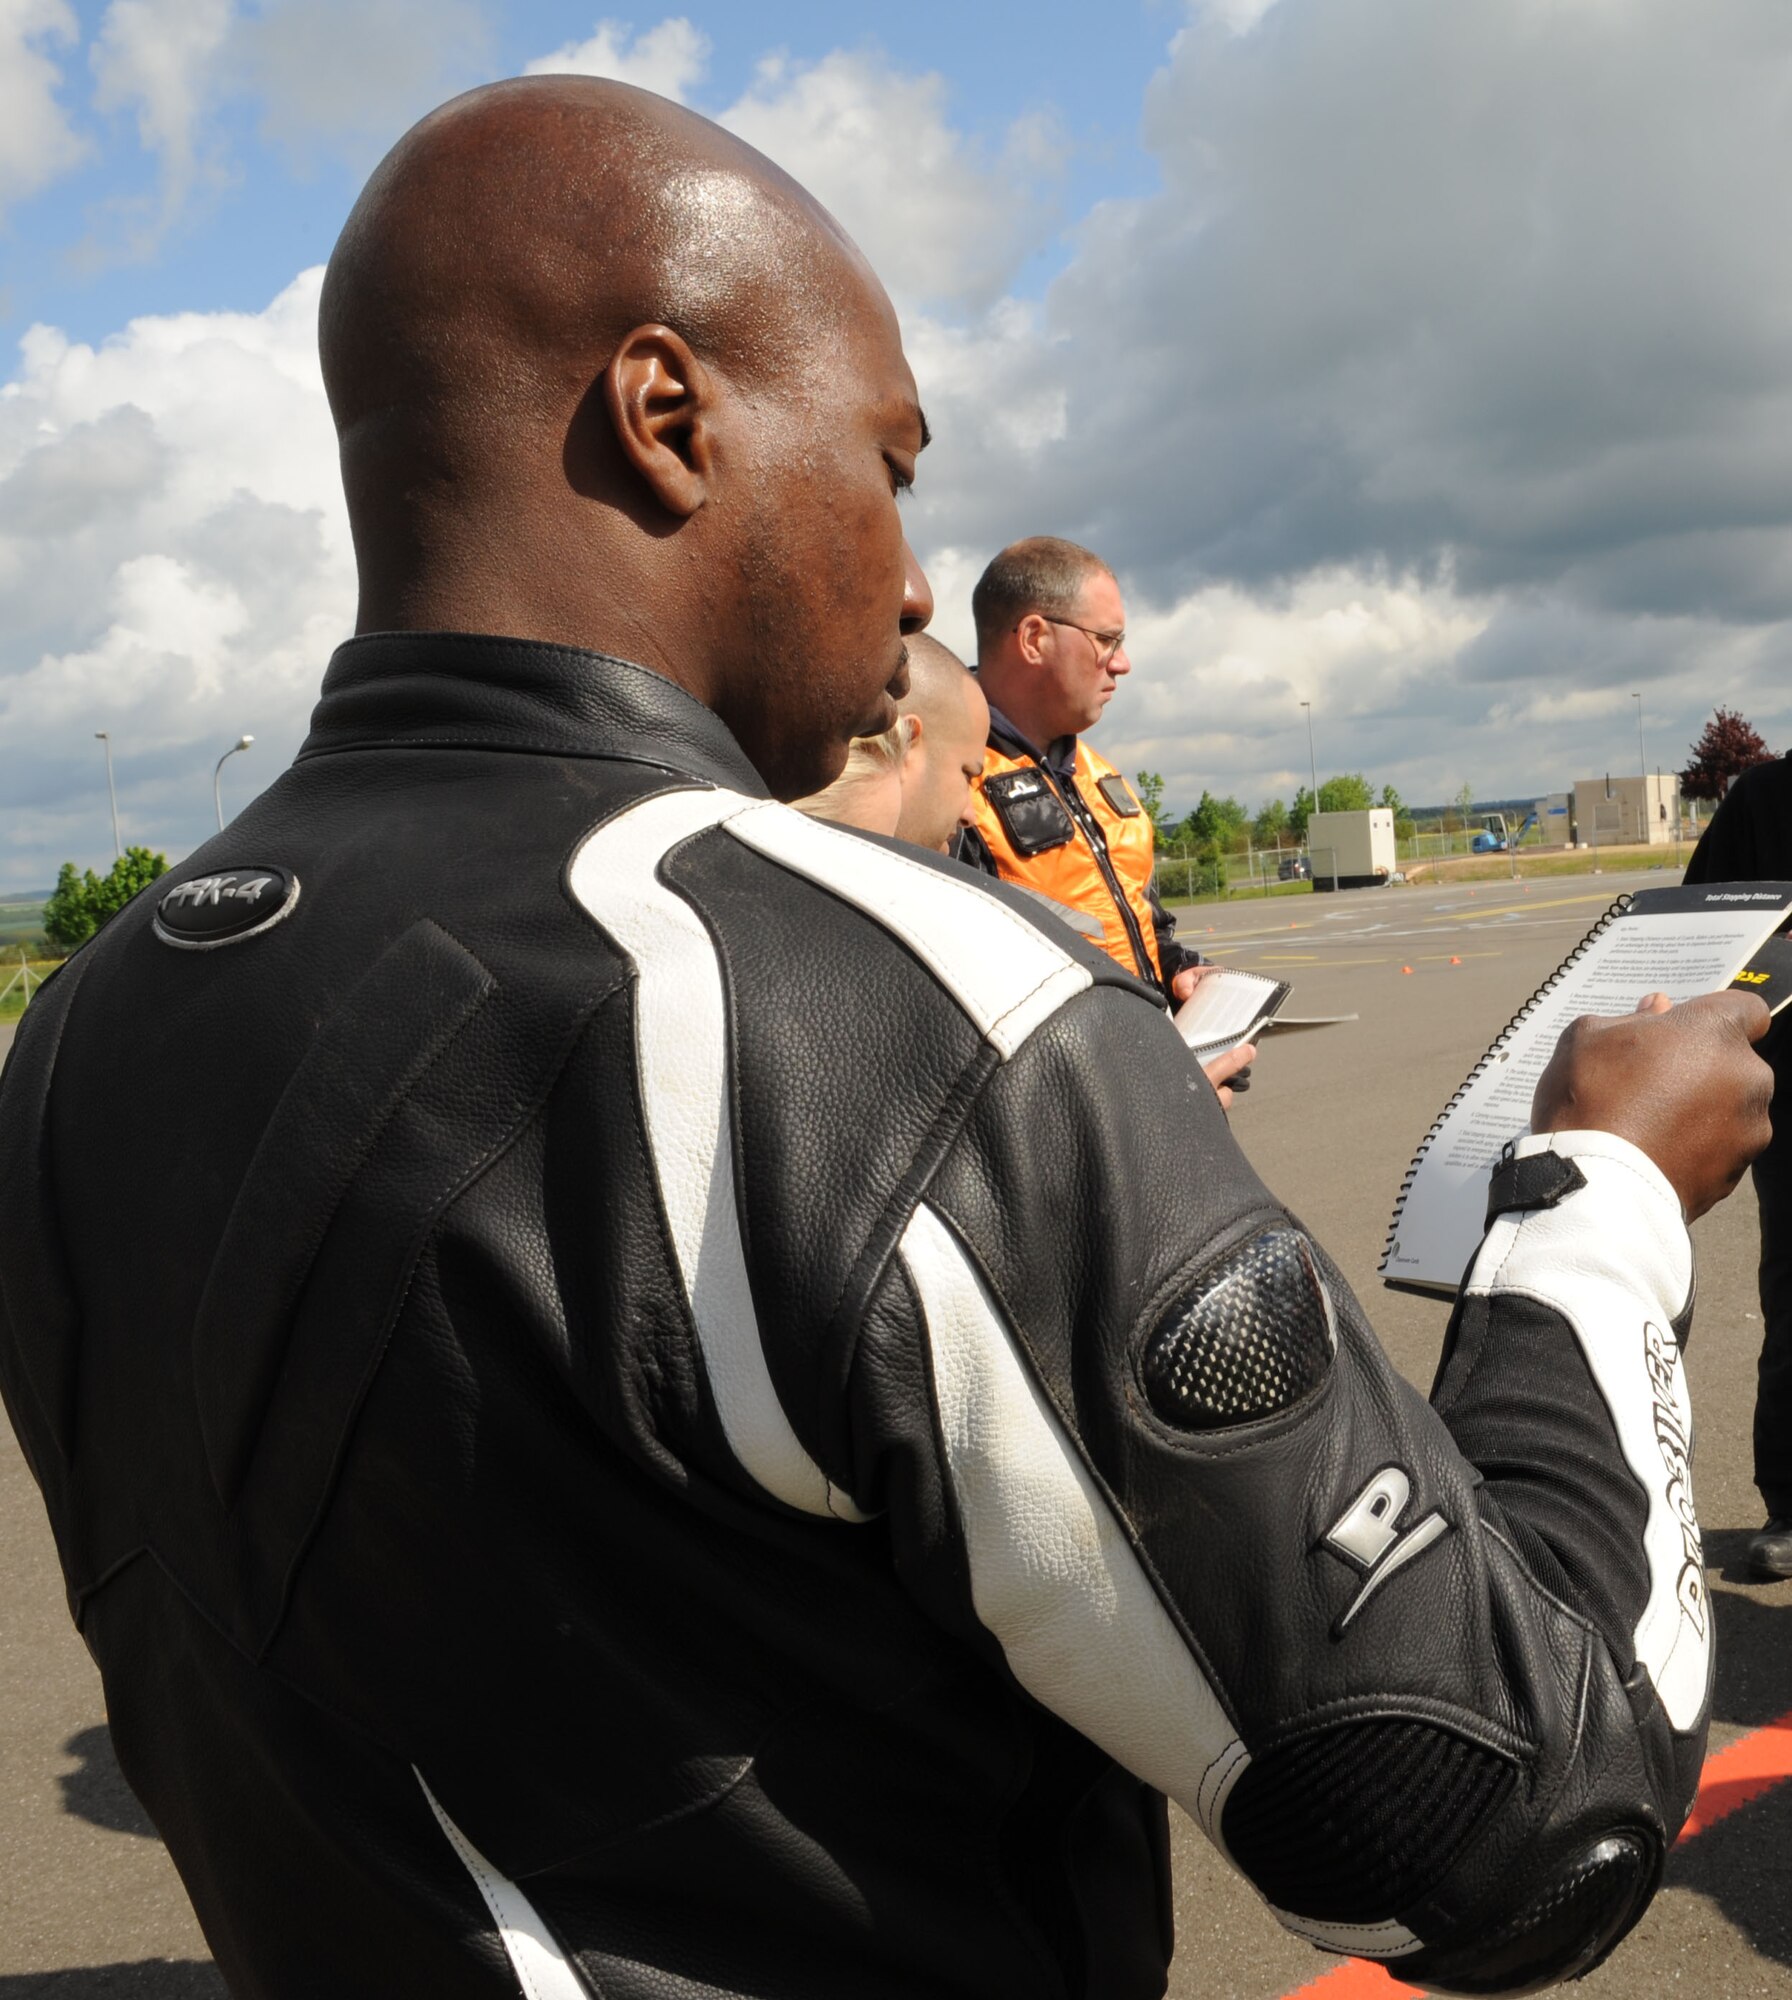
{"x": 1620, "y": 908}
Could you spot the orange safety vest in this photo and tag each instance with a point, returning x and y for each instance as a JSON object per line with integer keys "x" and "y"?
{"x": 1088, "y": 844}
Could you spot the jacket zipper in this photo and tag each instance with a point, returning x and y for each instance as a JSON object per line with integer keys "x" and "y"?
{"x": 1075, "y": 805}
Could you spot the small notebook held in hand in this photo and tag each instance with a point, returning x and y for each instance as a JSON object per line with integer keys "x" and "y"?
{"x": 1681, "y": 942}
{"x": 1231, "y": 1006}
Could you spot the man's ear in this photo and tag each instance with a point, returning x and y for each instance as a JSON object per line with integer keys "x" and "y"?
{"x": 661, "y": 404}
{"x": 1028, "y": 634}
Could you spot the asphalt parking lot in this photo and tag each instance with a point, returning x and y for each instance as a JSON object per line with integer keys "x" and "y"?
{"x": 93, "y": 1908}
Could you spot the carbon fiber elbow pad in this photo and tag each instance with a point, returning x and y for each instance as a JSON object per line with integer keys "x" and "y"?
{"x": 1563, "y": 1932}
{"x": 1356, "y": 1819}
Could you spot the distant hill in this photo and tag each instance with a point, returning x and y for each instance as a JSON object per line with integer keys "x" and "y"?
{"x": 21, "y": 920}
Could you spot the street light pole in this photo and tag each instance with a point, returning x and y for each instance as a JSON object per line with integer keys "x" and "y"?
{"x": 242, "y": 743}
{"x": 1313, "y": 768}
{"x": 117, "y": 845}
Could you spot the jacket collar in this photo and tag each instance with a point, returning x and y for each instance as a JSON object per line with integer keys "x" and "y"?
{"x": 462, "y": 690}
{"x": 1058, "y": 756}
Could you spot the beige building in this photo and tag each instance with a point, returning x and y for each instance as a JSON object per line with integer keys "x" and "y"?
{"x": 1626, "y": 811}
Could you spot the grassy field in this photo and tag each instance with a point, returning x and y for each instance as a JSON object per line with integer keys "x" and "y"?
{"x": 21, "y": 923}
{"x": 14, "y": 1003}
{"x": 1572, "y": 861}
{"x": 21, "y": 934}
{"x": 1240, "y": 891}
{"x": 1533, "y": 864}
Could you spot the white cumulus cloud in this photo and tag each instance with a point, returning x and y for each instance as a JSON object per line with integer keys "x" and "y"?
{"x": 37, "y": 141}
{"x": 184, "y": 475}
{"x": 1483, "y": 307}
{"x": 1213, "y": 702}
{"x": 940, "y": 218}
{"x": 1444, "y": 383}
{"x": 158, "y": 59}
{"x": 943, "y": 219}
{"x": 670, "y": 58}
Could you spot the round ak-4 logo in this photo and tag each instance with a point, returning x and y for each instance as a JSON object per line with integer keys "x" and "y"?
{"x": 225, "y": 909}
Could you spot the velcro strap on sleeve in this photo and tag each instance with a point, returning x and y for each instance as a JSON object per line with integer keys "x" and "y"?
{"x": 1537, "y": 1180}
{"x": 1622, "y": 1221}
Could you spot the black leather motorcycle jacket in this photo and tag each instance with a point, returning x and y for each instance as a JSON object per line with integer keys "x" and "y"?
{"x": 643, "y": 1397}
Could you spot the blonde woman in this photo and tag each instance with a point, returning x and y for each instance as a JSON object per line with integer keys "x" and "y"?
{"x": 868, "y": 793}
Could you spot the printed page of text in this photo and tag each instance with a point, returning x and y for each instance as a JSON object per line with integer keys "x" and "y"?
{"x": 1680, "y": 955}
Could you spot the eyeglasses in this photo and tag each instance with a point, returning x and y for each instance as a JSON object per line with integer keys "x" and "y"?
{"x": 1107, "y": 644}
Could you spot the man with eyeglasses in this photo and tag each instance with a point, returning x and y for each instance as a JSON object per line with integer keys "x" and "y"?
{"x": 1052, "y": 814}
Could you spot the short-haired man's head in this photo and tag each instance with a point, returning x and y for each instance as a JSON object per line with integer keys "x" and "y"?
{"x": 1043, "y": 573}
{"x": 936, "y": 678}
{"x": 951, "y": 723}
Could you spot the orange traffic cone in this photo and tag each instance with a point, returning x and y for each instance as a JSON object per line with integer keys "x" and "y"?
{"x": 1406, "y": 968}
{"x": 1455, "y": 961}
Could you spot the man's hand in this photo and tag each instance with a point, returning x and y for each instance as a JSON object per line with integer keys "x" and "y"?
{"x": 1682, "y": 1083}
{"x": 1223, "y": 1068}
{"x": 1183, "y": 983}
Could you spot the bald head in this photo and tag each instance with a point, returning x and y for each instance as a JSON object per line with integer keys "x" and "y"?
{"x": 517, "y": 233}
{"x": 586, "y": 353}
{"x": 951, "y": 727}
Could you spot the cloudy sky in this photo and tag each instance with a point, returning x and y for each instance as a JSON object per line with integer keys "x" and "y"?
{"x": 1429, "y": 362}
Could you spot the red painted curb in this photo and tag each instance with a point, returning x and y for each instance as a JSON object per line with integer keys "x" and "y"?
{"x": 1732, "y": 1776}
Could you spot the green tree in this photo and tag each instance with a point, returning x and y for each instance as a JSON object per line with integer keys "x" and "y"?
{"x": 1271, "y": 824}
{"x": 128, "y": 876}
{"x": 1391, "y": 800}
{"x": 1150, "y": 788}
{"x": 68, "y": 915}
{"x": 1236, "y": 818}
{"x": 81, "y": 903}
{"x": 1349, "y": 793}
{"x": 1216, "y": 823}
{"x": 1465, "y": 802}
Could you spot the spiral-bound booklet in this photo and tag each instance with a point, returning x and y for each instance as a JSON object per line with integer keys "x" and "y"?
{"x": 1227, "y": 1008}
{"x": 1681, "y": 942}
{"x": 1231, "y": 1006}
